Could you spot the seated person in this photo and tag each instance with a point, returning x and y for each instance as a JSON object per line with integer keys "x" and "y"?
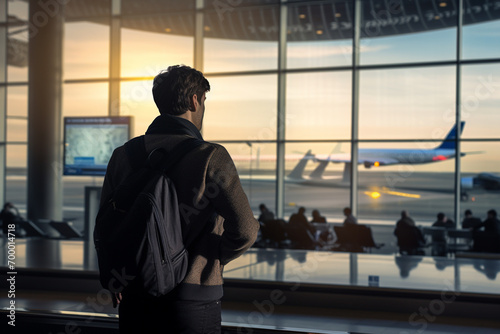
{"x": 439, "y": 239}
{"x": 10, "y": 215}
{"x": 301, "y": 231}
{"x": 470, "y": 221}
{"x": 410, "y": 238}
{"x": 265, "y": 214}
{"x": 443, "y": 221}
{"x": 317, "y": 218}
{"x": 349, "y": 218}
{"x": 488, "y": 240}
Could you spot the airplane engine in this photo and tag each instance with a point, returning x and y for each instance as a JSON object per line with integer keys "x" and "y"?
{"x": 467, "y": 182}
{"x": 368, "y": 164}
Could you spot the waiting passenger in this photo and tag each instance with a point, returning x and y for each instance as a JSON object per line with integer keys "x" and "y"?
{"x": 349, "y": 218}
{"x": 488, "y": 240}
{"x": 265, "y": 214}
{"x": 470, "y": 221}
{"x": 443, "y": 221}
{"x": 301, "y": 232}
{"x": 317, "y": 217}
{"x": 410, "y": 238}
{"x": 439, "y": 246}
{"x": 10, "y": 215}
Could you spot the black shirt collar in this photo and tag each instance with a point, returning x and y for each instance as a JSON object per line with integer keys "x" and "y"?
{"x": 168, "y": 124}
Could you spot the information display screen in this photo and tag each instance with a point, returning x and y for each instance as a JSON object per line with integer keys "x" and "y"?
{"x": 90, "y": 141}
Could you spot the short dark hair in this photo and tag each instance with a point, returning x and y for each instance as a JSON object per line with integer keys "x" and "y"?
{"x": 174, "y": 88}
{"x": 468, "y": 212}
{"x": 440, "y": 216}
{"x": 492, "y": 213}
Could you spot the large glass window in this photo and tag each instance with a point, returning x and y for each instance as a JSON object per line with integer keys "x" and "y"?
{"x": 316, "y": 179}
{"x": 480, "y": 100}
{"x": 480, "y": 33}
{"x": 319, "y": 35}
{"x": 86, "y": 50}
{"x": 407, "y": 31}
{"x": 76, "y": 101}
{"x": 151, "y": 43}
{"x": 407, "y": 103}
{"x": 241, "y": 39}
{"x": 18, "y": 41}
{"x": 404, "y": 176}
{"x": 256, "y": 165}
{"x": 241, "y": 108}
{"x": 318, "y": 105}
{"x": 137, "y": 101}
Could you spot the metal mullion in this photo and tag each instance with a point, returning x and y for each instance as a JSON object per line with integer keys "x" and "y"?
{"x": 458, "y": 118}
{"x": 3, "y": 99}
{"x": 280, "y": 134}
{"x": 355, "y": 106}
{"x": 114, "y": 59}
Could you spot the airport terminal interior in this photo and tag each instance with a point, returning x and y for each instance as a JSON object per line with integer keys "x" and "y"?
{"x": 346, "y": 119}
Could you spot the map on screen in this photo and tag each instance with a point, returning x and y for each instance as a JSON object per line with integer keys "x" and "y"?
{"x": 90, "y": 141}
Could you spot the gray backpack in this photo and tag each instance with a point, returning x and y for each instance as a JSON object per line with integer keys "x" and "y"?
{"x": 138, "y": 232}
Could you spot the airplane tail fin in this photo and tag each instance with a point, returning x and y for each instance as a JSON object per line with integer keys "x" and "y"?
{"x": 297, "y": 172}
{"x": 318, "y": 172}
{"x": 449, "y": 141}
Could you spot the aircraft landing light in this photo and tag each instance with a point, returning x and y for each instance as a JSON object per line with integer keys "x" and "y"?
{"x": 376, "y": 164}
{"x": 439, "y": 158}
{"x": 373, "y": 194}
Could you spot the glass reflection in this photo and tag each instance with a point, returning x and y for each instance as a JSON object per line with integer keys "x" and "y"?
{"x": 17, "y": 41}
{"x": 154, "y": 6}
{"x": 407, "y": 103}
{"x": 151, "y": 43}
{"x": 480, "y": 35}
{"x": 407, "y": 31}
{"x": 241, "y": 39}
{"x": 319, "y": 35}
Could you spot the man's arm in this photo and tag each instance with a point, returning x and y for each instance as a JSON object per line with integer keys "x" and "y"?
{"x": 240, "y": 226}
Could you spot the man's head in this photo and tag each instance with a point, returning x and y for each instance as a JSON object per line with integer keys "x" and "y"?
{"x": 181, "y": 89}
{"x": 492, "y": 214}
{"x": 302, "y": 210}
{"x": 468, "y": 213}
{"x": 441, "y": 216}
{"x": 404, "y": 214}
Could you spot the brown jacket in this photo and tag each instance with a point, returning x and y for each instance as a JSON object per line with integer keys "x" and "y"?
{"x": 218, "y": 224}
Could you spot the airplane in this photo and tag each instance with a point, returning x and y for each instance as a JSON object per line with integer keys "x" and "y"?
{"x": 374, "y": 157}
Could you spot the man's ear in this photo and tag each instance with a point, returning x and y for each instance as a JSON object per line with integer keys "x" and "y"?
{"x": 193, "y": 103}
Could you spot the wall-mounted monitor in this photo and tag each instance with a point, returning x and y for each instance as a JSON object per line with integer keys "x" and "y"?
{"x": 90, "y": 141}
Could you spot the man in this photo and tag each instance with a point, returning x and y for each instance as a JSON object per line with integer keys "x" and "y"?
{"x": 301, "y": 231}
{"x": 265, "y": 214}
{"x": 410, "y": 238}
{"x": 443, "y": 221}
{"x": 349, "y": 218}
{"x": 218, "y": 224}
{"x": 470, "y": 221}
